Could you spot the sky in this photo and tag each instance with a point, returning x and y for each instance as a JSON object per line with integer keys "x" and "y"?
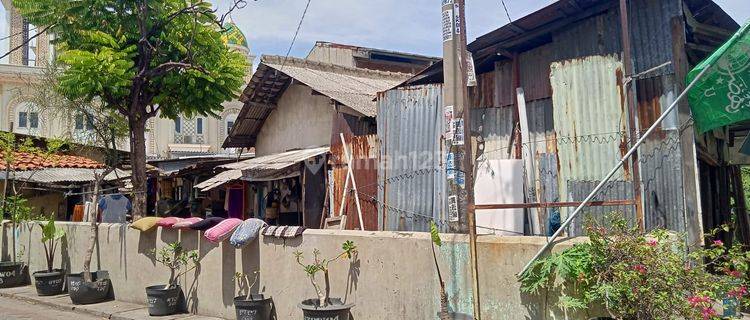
{"x": 400, "y": 25}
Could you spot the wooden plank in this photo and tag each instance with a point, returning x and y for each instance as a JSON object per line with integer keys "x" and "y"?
{"x": 527, "y": 154}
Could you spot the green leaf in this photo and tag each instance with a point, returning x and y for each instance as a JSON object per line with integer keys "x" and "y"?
{"x": 434, "y": 234}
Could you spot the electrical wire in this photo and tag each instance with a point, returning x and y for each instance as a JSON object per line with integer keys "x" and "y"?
{"x": 506, "y": 11}
{"x": 299, "y": 26}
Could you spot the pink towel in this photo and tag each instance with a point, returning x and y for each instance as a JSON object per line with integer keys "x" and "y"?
{"x": 223, "y": 230}
{"x": 186, "y": 223}
{"x": 168, "y": 222}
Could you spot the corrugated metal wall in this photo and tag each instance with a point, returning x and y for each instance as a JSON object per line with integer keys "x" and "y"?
{"x": 576, "y": 147}
{"x": 412, "y": 180}
{"x": 576, "y": 142}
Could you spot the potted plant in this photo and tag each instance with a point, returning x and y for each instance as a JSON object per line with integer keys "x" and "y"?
{"x": 324, "y": 307}
{"x": 91, "y": 287}
{"x": 165, "y": 299}
{"x": 251, "y": 306}
{"x": 50, "y": 281}
{"x": 15, "y": 273}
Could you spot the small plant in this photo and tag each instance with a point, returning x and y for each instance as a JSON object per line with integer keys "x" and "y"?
{"x": 179, "y": 261}
{"x": 318, "y": 265}
{"x": 243, "y": 281}
{"x": 436, "y": 241}
{"x": 50, "y": 236}
{"x": 643, "y": 276}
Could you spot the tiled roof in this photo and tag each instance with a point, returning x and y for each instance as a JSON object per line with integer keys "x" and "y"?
{"x": 33, "y": 161}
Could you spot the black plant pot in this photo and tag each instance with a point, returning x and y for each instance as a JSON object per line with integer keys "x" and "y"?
{"x": 336, "y": 309}
{"x": 163, "y": 302}
{"x": 49, "y": 283}
{"x": 98, "y": 290}
{"x": 13, "y": 274}
{"x": 258, "y": 307}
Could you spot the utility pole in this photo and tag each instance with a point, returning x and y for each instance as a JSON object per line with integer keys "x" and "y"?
{"x": 459, "y": 158}
{"x": 627, "y": 62}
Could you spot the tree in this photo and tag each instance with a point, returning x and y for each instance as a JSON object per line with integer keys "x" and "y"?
{"x": 142, "y": 58}
{"x": 104, "y": 128}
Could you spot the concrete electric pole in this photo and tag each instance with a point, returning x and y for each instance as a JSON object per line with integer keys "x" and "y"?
{"x": 459, "y": 159}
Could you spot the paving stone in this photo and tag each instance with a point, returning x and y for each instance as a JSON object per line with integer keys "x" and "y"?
{"x": 114, "y": 310}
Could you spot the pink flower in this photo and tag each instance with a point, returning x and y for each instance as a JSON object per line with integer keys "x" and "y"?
{"x": 697, "y": 301}
{"x": 653, "y": 243}
{"x": 708, "y": 313}
{"x": 640, "y": 268}
{"x": 738, "y": 292}
{"x": 718, "y": 243}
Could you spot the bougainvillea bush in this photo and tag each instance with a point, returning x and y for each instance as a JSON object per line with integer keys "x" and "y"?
{"x": 648, "y": 276}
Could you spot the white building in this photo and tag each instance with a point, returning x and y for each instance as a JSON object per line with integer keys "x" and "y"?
{"x": 166, "y": 138}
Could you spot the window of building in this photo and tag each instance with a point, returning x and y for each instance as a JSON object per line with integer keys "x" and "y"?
{"x": 27, "y": 119}
{"x": 199, "y": 125}
{"x": 23, "y": 119}
{"x": 229, "y": 121}
{"x": 81, "y": 122}
{"x": 4, "y": 33}
{"x": 177, "y": 125}
{"x": 30, "y": 44}
{"x": 34, "y": 120}
{"x": 230, "y": 124}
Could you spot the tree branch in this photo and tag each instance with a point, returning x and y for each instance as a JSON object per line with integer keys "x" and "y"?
{"x": 165, "y": 67}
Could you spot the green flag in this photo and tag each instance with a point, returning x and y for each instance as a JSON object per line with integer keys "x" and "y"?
{"x": 722, "y": 96}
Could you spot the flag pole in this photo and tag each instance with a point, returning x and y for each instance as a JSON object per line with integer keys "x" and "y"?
{"x": 614, "y": 170}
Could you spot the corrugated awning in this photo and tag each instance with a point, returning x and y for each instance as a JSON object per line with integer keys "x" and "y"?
{"x": 265, "y": 168}
{"x": 55, "y": 175}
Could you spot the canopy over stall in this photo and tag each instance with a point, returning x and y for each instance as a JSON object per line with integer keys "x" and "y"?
{"x": 265, "y": 168}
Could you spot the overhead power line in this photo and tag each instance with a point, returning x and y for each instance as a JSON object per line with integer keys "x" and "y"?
{"x": 506, "y": 11}
{"x": 299, "y": 26}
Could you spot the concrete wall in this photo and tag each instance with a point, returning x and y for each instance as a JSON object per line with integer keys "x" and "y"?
{"x": 393, "y": 276}
{"x": 301, "y": 120}
{"x": 334, "y": 54}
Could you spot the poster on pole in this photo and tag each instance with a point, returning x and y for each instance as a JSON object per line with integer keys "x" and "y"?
{"x": 447, "y": 25}
{"x": 458, "y": 132}
{"x": 450, "y": 166}
{"x": 448, "y": 122}
{"x": 453, "y": 208}
{"x": 471, "y": 74}
{"x": 457, "y": 18}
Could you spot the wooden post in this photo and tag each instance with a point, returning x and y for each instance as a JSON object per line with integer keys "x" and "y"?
{"x": 350, "y": 175}
{"x": 632, "y": 112}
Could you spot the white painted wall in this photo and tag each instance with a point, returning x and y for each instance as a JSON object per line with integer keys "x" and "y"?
{"x": 300, "y": 120}
{"x": 393, "y": 276}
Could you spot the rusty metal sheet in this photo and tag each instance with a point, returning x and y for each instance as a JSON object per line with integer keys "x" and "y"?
{"x": 503, "y": 83}
{"x": 364, "y": 152}
{"x": 651, "y": 33}
{"x": 589, "y": 117}
{"x": 598, "y": 35}
{"x": 534, "y": 72}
